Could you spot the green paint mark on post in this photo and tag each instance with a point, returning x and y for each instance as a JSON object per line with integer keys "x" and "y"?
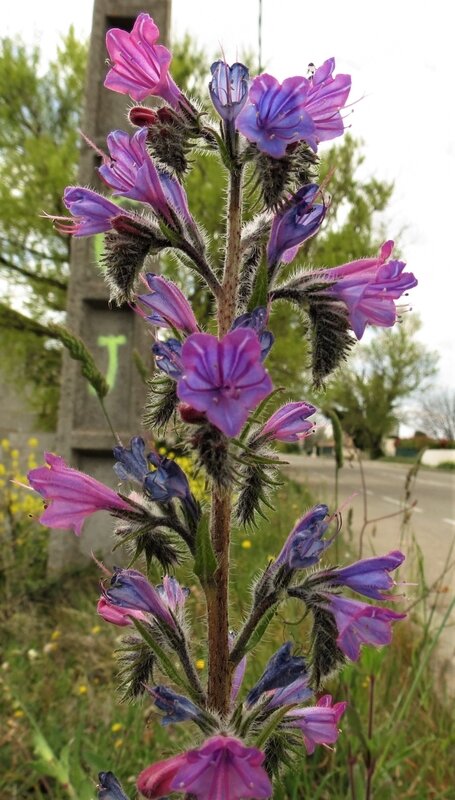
{"x": 112, "y": 342}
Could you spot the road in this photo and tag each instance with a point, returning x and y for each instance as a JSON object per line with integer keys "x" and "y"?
{"x": 431, "y": 526}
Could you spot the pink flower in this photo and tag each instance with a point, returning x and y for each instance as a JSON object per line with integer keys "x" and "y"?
{"x": 225, "y": 379}
{"x": 70, "y": 495}
{"x": 140, "y": 67}
{"x": 156, "y": 780}
{"x": 319, "y": 723}
{"x": 369, "y": 287}
{"x": 167, "y": 306}
{"x": 289, "y": 423}
{"x": 222, "y": 769}
{"x": 116, "y": 615}
{"x": 359, "y": 623}
{"x": 326, "y": 96}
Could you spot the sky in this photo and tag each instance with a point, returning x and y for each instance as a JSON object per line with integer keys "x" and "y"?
{"x": 399, "y": 56}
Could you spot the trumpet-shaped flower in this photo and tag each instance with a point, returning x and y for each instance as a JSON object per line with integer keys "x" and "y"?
{"x": 176, "y": 707}
{"x": 91, "y": 212}
{"x": 222, "y": 768}
{"x": 168, "y": 305}
{"x": 109, "y": 788}
{"x": 282, "y": 669}
{"x": 369, "y": 287}
{"x": 326, "y": 96}
{"x": 370, "y": 576}
{"x": 167, "y": 481}
{"x": 305, "y": 545}
{"x": 116, "y": 615}
{"x": 289, "y": 423}
{"x": 225, "y": 379}
{"x": 130, "y": 589}
{"x": 257, "y": 321}
{"x": 292, "y": 226}
{"x": 359, "y": 623}
{"x": 296, "y": 692}
{"x": 319, "y": 723}
{"x": 140, "y": 66}
{"x": 130, "y": 172}
{"x": 228, "y": 88}
{"x": 70, "y": 495}
{"x": 168, "y": 357}
{"x": 274, "y": 115}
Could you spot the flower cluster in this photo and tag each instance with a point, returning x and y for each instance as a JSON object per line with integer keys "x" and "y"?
{"x": 215, "y": 386}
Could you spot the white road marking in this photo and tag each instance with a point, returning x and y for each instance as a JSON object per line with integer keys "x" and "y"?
{"x": 449, "y": 521}
{"x": 391, "y": 500}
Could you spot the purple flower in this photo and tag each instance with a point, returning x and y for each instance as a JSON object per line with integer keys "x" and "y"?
{"x": 167, "y": 481}
{"x": 70, "y": 495}
{"x": 326, "y": 96}
{"x": 297, "y": 692}
{"x": 109, "y": 788}
{"x": 257, "y": 321}
{"x": 289, "y": 423}
{"x": 223, "y": 768}
{"x": 132, "y": 173}
{"x": 359, "y": 623}
{"x": 228, "y": 88}
{"x": 140, "y": 67}
{"x": 225, "y": 379}
{"x": 172, "y": 594}
{"x": 131, "y": 461}
{"x": 370, "y": 576}
{"x": 275, "y": 115}
{"x": 305, "y": 545}
{"x": 130, "y": 589}
{"x": 169, "y": 306}
{"x": 168, "y": 357}
{"x": 299, "y": 220}
{"x": 117, "y": 616}
{"x": 177, "y": 708}
{"x": 281, "y": 670}
{"x": 319, "y": 723}
{"x": 92, "y": 213}
{"x": 369, "y": 287}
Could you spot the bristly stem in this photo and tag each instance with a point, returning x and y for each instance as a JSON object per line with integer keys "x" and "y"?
{"x": 217, "y": 594}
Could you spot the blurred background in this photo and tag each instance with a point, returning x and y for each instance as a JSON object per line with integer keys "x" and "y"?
{"x": 386, "y": 429}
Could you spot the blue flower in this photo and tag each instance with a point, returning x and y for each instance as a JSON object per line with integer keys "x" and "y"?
{"x": 131, "y": 461}
{"x": 177, "y": 708}
{"x": 257, "y": 321}
{"x": 305, "y": 545}
{"x": 228, "y": 88}
{"x": 167, "y": 481}
{"x": 130, "y": 589}
{"x": 281, "y": 670}
{"x": 168, "y": 357}
{"x": 291, "y": 227}
{"x": 109, "y": 788}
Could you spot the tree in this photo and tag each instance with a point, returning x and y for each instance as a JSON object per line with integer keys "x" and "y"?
{"x": 41, "y": 109}
{"x": 368, "y": 393}
{"x": 437, "y": 414}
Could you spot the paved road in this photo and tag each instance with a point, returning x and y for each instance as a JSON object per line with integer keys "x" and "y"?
{"x": 432, "y": 524}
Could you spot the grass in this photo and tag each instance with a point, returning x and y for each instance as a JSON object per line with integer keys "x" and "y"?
{"x": 64, "y": 721}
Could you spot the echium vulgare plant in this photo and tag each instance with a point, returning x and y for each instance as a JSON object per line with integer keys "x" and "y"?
{"x": 216, "y": 389}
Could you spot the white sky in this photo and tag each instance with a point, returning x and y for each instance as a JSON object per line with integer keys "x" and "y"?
{"x": 399, "y": 55}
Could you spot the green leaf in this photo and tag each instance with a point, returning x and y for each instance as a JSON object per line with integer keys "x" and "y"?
{"x": 165, "y": 662}
{"x": 272, "y": 724}
{"x": 260, "y": 629}
{"x": 205, "y": 562}
{"x": 259, "y": 295}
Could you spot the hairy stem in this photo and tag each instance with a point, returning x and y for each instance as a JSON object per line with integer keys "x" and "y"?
{"x": 217, "y": 593}
{"x": 256, "y": 614}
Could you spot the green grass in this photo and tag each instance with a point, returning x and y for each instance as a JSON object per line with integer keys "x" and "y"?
{"x": 64, "y": 722}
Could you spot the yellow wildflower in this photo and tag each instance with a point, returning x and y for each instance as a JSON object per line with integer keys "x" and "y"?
{"x": 82, "y": 689}
{"x": 200, "y": 663}
{"x": 96, "y": 629}
{"x": 33, "y": 442}
{"x": 116, "y": 727}
{"x": 55, "y": 635}
{"x": 118, "y": 743}
{"x": 246, "y": 544}
{"x": 5, "y": 443}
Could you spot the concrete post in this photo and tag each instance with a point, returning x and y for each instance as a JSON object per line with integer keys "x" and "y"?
{"x": 111, "y": 334}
